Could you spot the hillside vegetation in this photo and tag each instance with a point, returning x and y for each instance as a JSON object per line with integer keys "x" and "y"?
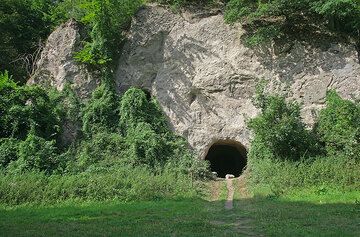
{"x": 124, "y": 148}
{"x": 111, "y": 165}
{"x": 25, "y": 24}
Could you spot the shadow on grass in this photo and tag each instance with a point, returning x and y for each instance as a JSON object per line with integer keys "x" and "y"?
{"x": 190, "y": 217}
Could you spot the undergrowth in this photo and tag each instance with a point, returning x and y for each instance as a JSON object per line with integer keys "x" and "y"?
{"x": 124, "y": 148}
{"x": 285, "y": 155}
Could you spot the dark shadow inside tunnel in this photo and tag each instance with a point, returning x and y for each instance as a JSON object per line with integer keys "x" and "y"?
{"x": 227, "y": 158}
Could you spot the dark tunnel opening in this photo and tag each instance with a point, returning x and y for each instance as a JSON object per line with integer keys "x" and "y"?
{"x": 227, "y": 158}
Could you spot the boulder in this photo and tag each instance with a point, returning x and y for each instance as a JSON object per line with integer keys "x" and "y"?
{"x": 57, "y": 66}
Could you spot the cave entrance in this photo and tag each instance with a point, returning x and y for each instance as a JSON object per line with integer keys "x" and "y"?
{"x": 227, "y": 158}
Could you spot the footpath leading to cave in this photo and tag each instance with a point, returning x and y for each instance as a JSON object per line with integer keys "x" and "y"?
{"x": 235, "y": 189}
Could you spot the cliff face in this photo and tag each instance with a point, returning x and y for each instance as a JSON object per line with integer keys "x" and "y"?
{"x": 204, "y": 76}
{"x": 57, "y": 66}
{"x": 202, "y": 73}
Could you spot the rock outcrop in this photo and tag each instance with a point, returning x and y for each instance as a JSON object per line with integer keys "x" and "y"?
{"x": 57, "y": 66}
{"x": 204, "y": 76}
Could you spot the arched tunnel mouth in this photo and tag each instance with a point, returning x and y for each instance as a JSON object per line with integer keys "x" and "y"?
{"x": 227, "y": 157}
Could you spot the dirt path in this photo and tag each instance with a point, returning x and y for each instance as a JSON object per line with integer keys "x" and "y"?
{"x": 236, "y": 189}
{"x": 230, "y": 194}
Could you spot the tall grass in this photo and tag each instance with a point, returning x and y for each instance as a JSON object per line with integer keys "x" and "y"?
{"x": 133, "y": 184}
{"x": 280, "y": 176}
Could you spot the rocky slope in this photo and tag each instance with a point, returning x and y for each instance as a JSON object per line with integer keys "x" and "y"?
{"x": 202, "y": 73}
{"x": 204, "y": 76}
{"x": 57, "y": 66}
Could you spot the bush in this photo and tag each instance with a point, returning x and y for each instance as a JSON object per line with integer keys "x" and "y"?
{"x": 281, "y": 177}
{"x": 278, "y": 131}
{"x": 9, "y": 151}
{"x": 102, "y": 151}
{"x": 338, "y": 126}
{"x": 35, "y": 153}
{"x": 128, "y": 153}
{"x": 101, "y": 112}
{"x": 23, "y": 107}
{"x": 123, "y": 184}
{"x": 337, "y": 15}
{"x": 284, "y": 155}
{"x": 136, "y": 108}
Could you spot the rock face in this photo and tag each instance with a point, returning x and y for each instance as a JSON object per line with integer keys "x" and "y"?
{"x": 204, "y": 76}
{"x": 57, "y": 66}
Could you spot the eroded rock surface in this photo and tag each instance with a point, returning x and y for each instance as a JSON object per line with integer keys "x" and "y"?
{"x": 204, "y": 76}
{"x": 57, "y": 66}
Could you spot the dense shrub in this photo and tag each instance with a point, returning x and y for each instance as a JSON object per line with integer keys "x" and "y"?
{"x": 339, "y": 126}
{"x": 23, "y": 107}
{"x": 284, "y": 155}
{"x": 35, "y": 153}
{"x": 103, "y": 151}
{"x": 9, "y": 151}
{"x": 268, "y": 19}
{"x": 101, "y": 113}
{"x": 279, "y": 131}
{"x": 126, "y": 184}
{"x": 131, "y": 130}
{"x": 23, "y": 27}
{"x": 136, "y": 108}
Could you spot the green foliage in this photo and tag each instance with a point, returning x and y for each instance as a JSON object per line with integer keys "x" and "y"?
{"x": 123, "y": 184}
{"x": 105, "y": 22}
{"x": 9, "y": 151}
{"x": 148, "y": 135}
{"x": 263, "y": 35}
{"x": 279, "y": 131}
{"x": 103, "y": 151}
{"x": 35, "y": 153}
{"x": 132, "y": 131}
{"x": 6, "y": 82}
{"x": 338, "y": 15}
{"x": 338, "y": 126}
{"x": 23, "y": 26}
{"x": 136, "y": 108}
{"x": 101, "y": 113}
{"x": 282, "y": 177}
{"x": 284, "y": 155}
{"x": 24, "y": 106}
{"x": 146, "y": 146}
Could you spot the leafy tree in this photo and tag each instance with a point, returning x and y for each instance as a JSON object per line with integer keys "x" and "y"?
{"x": 338, "y": 126}
{"x": 279, "y": 131}
{"x": 35, "y": 153}
{"x": 9, "y": 151}
{"x": 282, "y": 15}
{"x": 136, "y": 108}
{"x": 105, "y": 20}
{"x": 24, "y": 106}
{"x": 23, "y": 26}
{"x": 101, "y": 112}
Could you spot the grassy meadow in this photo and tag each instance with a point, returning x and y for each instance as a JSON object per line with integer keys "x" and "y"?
{"x": 301, "y": 213}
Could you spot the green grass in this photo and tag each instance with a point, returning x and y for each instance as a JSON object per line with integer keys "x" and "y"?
{"x": 162, "y": 218}
{"x": 302, "y": 213}
{"x": 289, "y": 218}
